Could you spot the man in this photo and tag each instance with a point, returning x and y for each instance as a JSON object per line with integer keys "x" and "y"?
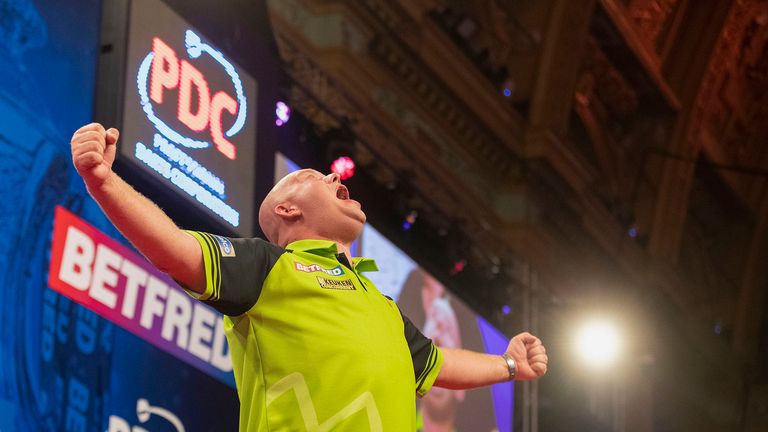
{"x": 314, "y": 345}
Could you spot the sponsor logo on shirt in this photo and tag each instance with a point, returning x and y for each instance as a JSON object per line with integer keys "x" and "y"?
{"x": 312, "y": 268}
{"x": 225, "y": 246}
{"x": 344, "y": 284}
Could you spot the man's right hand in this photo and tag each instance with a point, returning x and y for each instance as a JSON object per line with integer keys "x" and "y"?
{"x": 93, "y": 153}
{"x": 143, "y": 223}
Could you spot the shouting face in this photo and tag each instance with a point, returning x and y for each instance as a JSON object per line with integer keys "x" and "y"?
{"x": 318, "y": 204}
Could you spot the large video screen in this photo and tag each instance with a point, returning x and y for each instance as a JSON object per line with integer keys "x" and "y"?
{"x": 189, "y": 116}
{"x": 447, "y": 321}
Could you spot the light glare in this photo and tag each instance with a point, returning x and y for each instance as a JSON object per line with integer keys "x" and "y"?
{"x": 282, "y": 113}
{"x": 344, "y": 166}
{"x": 598, "y": 344}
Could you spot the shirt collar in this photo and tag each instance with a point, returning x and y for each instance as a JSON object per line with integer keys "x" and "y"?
{"x": 329, "y": 249}
{"x": 365, "y": 264}
{"x": 318, "y": 247}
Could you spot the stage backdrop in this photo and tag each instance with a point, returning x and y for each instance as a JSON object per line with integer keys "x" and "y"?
{"x": 72, "y": 356}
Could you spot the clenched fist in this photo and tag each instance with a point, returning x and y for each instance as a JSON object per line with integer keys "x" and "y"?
{"x": 93, "y": 152}
{"x": 529, "y": 355}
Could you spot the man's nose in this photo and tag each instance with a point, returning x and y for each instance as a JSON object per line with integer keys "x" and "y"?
{"x": 332, "y": 178}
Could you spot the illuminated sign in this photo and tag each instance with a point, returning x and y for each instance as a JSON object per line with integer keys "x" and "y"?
{"x": 99, "y": 273}
{"x": 189, "y": 116}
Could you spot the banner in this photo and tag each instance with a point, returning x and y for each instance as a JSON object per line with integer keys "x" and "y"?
{"x": 99, "y": 273}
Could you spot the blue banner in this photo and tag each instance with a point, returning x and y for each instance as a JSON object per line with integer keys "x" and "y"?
{"x": 65, "y": 368}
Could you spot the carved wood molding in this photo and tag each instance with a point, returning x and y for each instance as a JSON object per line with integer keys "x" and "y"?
{"x": 463, "y": 125}
{"x": 328, "y": 105}
{"x": 730, "y": 111}
{"x": 654, "y": 19}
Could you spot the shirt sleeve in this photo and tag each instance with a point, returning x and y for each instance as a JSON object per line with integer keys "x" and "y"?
{"x": 235, "y": 270}
{"x": 427, "y": 357}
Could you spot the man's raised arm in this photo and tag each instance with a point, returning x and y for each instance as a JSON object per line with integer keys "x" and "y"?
{"x": 142, "y": 222}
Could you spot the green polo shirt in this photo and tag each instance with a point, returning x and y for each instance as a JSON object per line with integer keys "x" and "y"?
{"x": 315, "y": 346}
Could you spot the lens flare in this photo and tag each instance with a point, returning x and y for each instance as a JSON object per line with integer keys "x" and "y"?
{"x": 598, "y": 343}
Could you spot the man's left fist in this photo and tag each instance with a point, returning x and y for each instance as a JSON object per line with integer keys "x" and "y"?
{"x": 529, "y": 355}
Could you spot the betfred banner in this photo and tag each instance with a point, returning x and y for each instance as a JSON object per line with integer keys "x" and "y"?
{"x": 110, "y": 279}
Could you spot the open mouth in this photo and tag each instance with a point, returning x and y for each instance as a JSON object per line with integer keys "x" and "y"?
{"x": 342, "y": 192}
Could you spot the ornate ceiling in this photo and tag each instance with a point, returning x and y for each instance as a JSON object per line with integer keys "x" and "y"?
{"x": 614, "y": 142}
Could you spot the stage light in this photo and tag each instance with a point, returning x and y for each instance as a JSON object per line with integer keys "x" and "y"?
{"x": 508, "y": 87}
{"x": 458, "y": 267}
{"x": 506, "y": 310}
{"x": 410, "y": 220}
{"x": 598, "y": 343}
{"x": 344, "y": 166}
{"x": 282, "y": 113}
{"x": 632, "y": 231}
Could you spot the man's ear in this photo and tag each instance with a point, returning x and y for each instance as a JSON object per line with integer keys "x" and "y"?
{"x": 287, "y": 211}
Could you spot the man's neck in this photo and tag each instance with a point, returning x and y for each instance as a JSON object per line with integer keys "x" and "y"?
{"x": 344, "y": 249}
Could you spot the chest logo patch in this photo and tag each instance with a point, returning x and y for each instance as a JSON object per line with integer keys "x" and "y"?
{"x": 312, "y": 268}
{"x": 344, "y": 284}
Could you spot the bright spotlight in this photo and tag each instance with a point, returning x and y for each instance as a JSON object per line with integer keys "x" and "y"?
{"x": 344, "y": 166}
{"x": 598, "y": 344}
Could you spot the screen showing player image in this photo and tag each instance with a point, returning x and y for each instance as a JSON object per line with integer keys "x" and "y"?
{"x": 451, "y": 324}
{"x": 446, "y": 320}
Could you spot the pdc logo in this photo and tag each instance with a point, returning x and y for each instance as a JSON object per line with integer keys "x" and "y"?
{"x": 199, "y": 107}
